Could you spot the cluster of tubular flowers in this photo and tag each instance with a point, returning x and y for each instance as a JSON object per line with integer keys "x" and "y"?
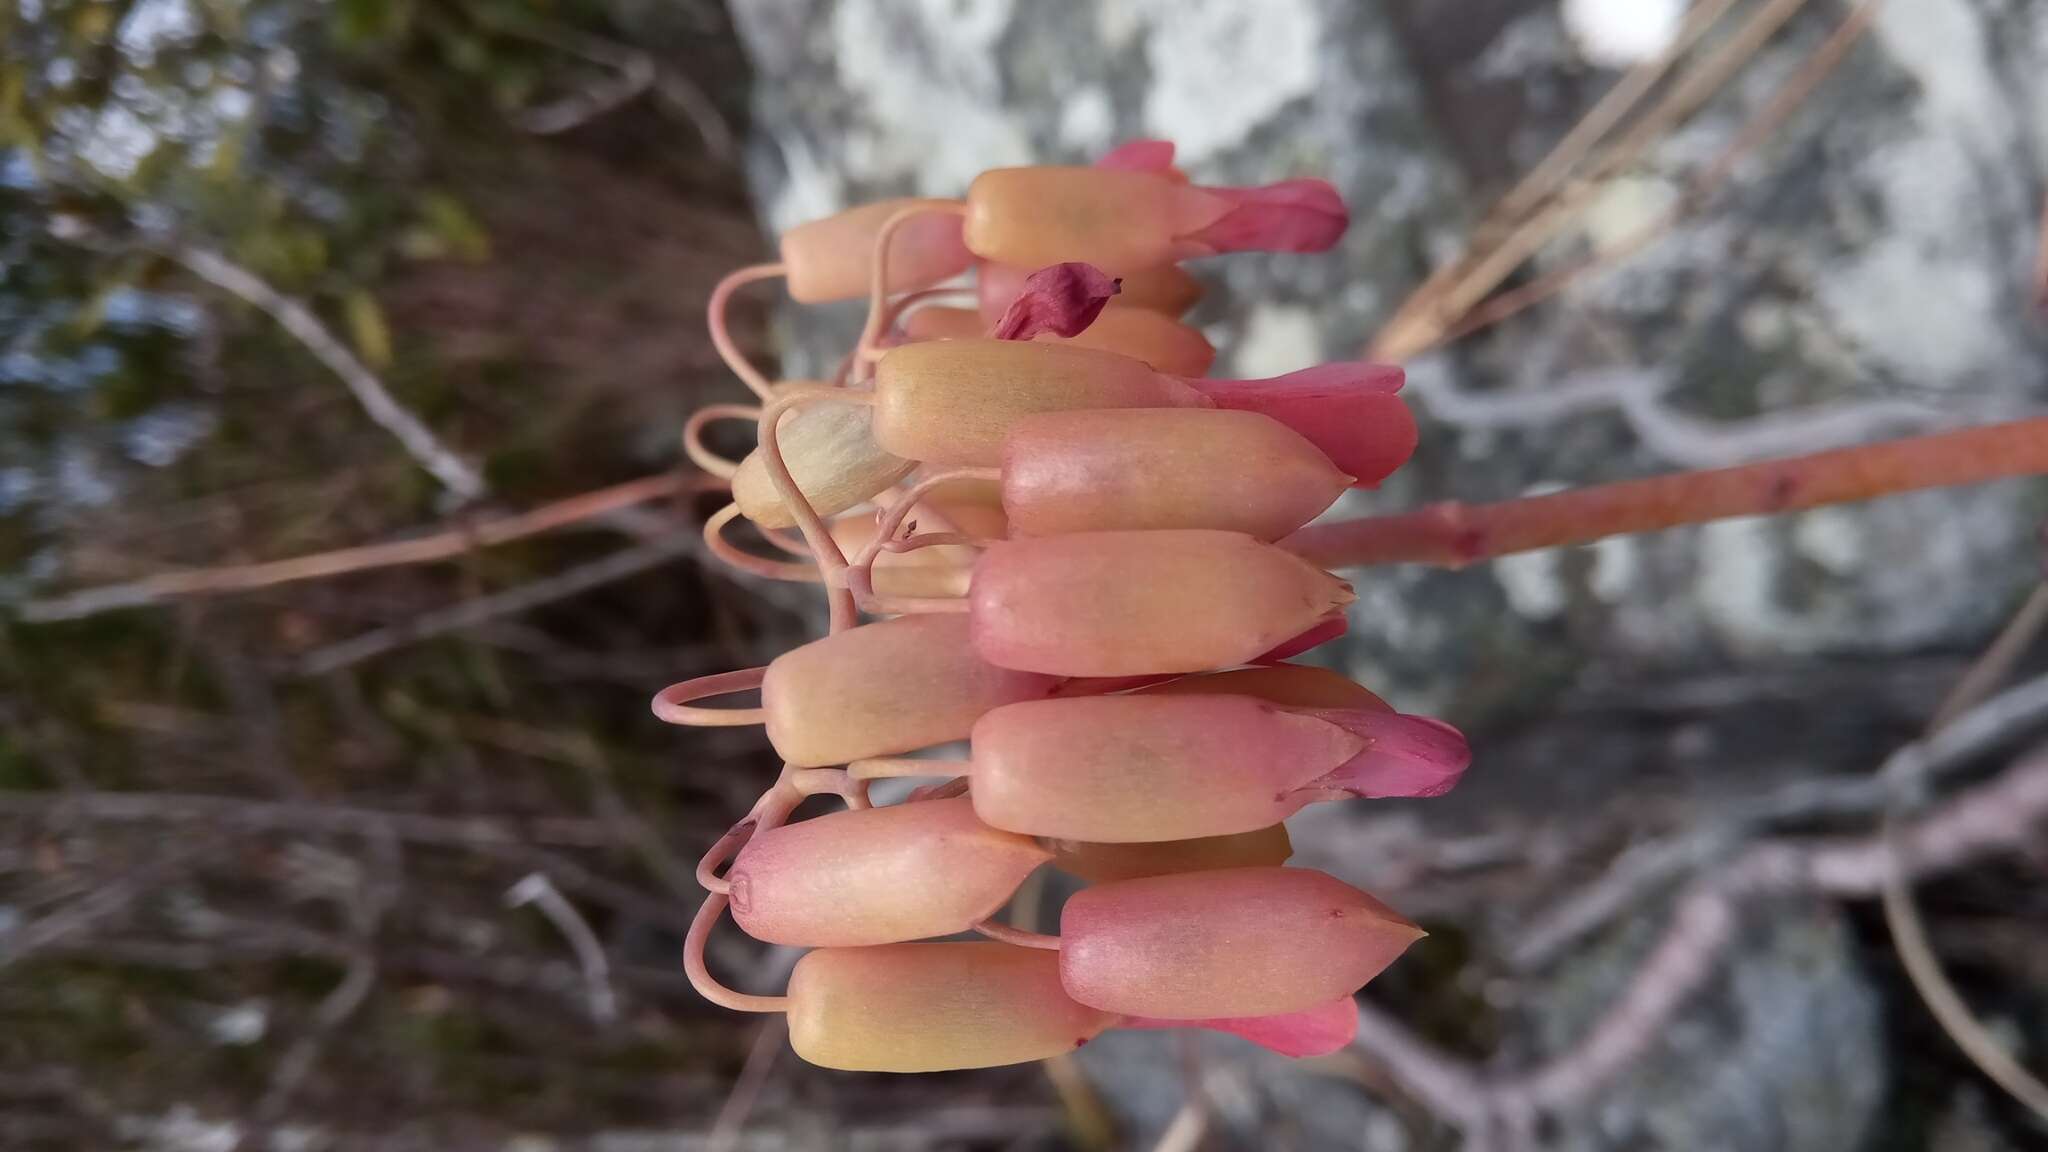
{"x": 1061, "y": 531}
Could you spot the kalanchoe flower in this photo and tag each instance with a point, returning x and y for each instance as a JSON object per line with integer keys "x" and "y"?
{"x": 927, "y": 573}
{"x": 1124, "y": 220}
{"x": 1163, "y": 468}
{"x": 1139, "y": 603}
{"x": 1243, "y": 942}
{"x": 1173, "y": 767}
{"x": 1061, "y": 301}
{"x": 877, "y": 875}
{"x": 953, "y": 401}
{"x": 1139, "y": 156}
{"x": 887, "y": 687}
{"x": 934, "y": 1007}
{"x": 833, "y": 258}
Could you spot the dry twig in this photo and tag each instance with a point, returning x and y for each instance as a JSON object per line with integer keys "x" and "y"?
{"x": 322, "y": 565}
{"x": 2001, "y": 815}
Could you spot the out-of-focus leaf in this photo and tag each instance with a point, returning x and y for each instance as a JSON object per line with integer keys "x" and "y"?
{"x": 362, "y": 22}
{"x": 446, "y": 229}
{"x": 368, "y": 329}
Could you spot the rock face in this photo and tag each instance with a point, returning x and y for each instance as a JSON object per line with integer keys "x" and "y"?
{"x": 1863, "y": 273}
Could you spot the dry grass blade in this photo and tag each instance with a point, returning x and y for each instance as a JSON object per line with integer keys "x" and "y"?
{"x": 1767, "y": 120}
{"x": 1436, "y": 312}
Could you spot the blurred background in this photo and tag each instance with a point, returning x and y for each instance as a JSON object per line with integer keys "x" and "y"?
{"x": 383, "y": 850}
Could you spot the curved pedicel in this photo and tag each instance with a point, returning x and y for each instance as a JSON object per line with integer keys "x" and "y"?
{"x": 833, "y": 258}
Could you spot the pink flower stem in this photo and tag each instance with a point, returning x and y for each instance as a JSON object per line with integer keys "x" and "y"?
{"x": 1452, "y": 535}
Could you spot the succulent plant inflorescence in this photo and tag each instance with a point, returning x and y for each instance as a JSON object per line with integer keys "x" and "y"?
{"x": 1072, "y": 552}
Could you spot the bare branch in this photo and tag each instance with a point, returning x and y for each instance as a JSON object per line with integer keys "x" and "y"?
{"x": 454, "y": 542}
{"x": 1651, "y": 866}
{"x": 1999, "y": 816}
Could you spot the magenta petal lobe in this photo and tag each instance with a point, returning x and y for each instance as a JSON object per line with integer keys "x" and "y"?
{"x": 1404, "y": 755}
{"x": 1139, "y": 156}
{"x": 1063, "y": 300}
{"x": 1317, "y": 1031}
{"x": 1291, "y": 216}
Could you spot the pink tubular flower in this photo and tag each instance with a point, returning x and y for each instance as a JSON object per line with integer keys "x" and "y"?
{"x": 1163, "y": 468}
{"x": 1142, "y": 603}
{"x": 832, "y": 258}
{"x": 1244, "y": 942}
{"x": 953, "y": 401}
{"x": 877, "y": 875}
{"x": 933, "y": 1007}
{"x": 891, "y": 686}
{"x": 1133, "y": 769}
{"x": 1125, "y": 220}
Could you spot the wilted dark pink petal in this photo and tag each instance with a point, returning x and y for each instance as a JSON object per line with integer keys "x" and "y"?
{"x": 1291, "y": 216}
{"x": 1350, "y": 410}
{"x": 1329, "y": 628}
{"x": 1139, "y": 156}
{"x": 1063, "y": 300}
{"x": 1316, "y": 1031}
{"x": 1403, "y": 756}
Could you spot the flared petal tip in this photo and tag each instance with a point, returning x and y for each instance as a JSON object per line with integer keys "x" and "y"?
{"x": 1291, "y": 216}
{"x": 1139, "y": 156}
{"x": 1404, "y": 755}
{"x": 1318, "y": 1031}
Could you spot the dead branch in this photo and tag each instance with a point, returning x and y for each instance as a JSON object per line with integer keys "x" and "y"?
{"x": 1649, "y": 867}
{"x": 443, "y": 545}
{"x": 1999, "y": 816}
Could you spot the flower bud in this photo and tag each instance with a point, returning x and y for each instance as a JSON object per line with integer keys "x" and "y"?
{"x": 1244, "y": 942}
{"x": 934, "y": 1007}
{"x": 883, "y": 688}
{"x": 833, "y": 258}
{"x": 1137, "y": 603}
{"x": 1103, "y": 863}
{"x": 1126, "y": 220}
{"x": 1143, "y": 768}
{"x": 952, "y": 401}
{"x": 832, "y": 455}
{"x": 877, "y": 875}
{"x": 1163, "y": 468}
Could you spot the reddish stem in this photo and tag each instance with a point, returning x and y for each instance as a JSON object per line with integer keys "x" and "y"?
{"x": 1451, "y": 535}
